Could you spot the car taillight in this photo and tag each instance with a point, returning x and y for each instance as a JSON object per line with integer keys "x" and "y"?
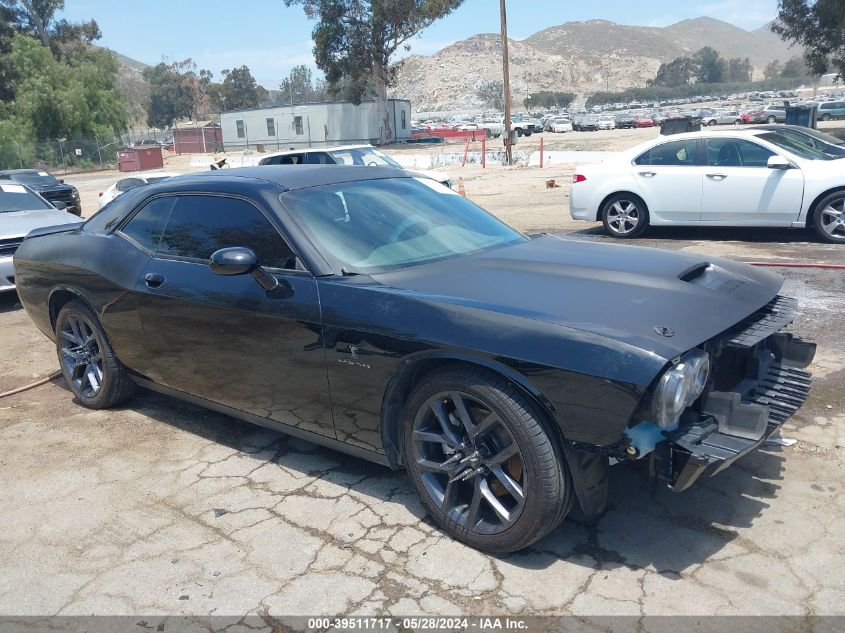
{"x": 578, "y": 178}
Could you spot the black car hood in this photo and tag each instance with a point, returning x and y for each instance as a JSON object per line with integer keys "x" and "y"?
{"x": 663, "y": 302}
{"x": 56, "y": 187}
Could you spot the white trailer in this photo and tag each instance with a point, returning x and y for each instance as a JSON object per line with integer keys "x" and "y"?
{"x": 313, "y": 125}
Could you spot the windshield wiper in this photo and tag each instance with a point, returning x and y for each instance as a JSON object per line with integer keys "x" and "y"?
{"x": 348, "y": 273}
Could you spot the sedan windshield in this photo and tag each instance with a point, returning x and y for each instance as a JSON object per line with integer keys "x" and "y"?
{"x": 33, "y": 177}
{"x": 795, "y": 147}
{"x": 376, "y": 225}
{"x": 14, "y": 197}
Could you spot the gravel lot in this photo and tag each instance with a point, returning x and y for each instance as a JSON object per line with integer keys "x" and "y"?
{"x": 165, "y": 508}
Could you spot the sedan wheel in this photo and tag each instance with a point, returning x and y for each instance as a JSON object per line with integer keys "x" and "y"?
{"x": 481, "y": 461}
{"x": 771, "y": 120}
{"x": 89, "y": 365}
{"x": 625, "y": 216}
{"x": 829, "y": 219}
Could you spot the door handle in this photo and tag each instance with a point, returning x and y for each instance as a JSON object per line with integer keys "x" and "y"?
{"x": 716, "y": 176}
{"x": 153, "y": 280}
{"x": 648, "y": 174}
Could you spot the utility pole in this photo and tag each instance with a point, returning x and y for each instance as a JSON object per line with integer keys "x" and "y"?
{"x": 506, "y": 83}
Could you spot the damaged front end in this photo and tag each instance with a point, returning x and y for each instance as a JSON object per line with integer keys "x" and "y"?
{"x": 756, "y": 381}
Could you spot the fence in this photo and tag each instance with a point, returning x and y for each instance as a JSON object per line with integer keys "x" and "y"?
{"x": 61, "y": 154}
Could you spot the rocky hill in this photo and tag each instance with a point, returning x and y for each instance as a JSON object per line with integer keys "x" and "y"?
{"x": 575, "y": 56}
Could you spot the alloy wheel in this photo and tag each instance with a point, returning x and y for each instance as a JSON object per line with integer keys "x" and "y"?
{"x": 623, "y": 217}
{"x": 81, "y": 355}
{"x": 833, "y": 219}
{"x": 469, "y": 462}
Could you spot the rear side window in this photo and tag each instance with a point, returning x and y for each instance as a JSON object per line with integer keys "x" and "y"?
{"x": 674, "y": 153}
{"x": 194, "y": 226}
{"x": 318, "y": 158}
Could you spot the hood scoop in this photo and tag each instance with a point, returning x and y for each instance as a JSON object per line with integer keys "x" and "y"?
{"x": 713, "y": 277}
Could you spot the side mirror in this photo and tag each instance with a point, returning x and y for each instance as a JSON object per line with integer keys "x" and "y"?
{"x": 778, "y": 162}
{"x": 62, "y": 180}
{"x": 61, "y": 206}
{"x": 238, "y": 260}
{"x": 233, "y": 261}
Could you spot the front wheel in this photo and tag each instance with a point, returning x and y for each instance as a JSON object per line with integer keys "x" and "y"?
{"x": 484, "y": 464}
{"x": 829, "y": 218}
{"x": 624, "y": 216}
{"x": 92, "y": 371}
{"x": 711, "y": 123}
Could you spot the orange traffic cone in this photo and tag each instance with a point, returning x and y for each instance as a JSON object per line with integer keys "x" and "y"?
{"x": 461, "y": 189}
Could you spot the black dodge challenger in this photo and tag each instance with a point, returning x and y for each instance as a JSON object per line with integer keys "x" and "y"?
{"x": 381, "y": 314}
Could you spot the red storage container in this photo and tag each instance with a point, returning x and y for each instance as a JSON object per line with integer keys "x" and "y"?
{"x": 139, "y": 158}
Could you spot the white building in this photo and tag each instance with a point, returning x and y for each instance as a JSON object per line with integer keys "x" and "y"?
{"x": 313, "y": 125}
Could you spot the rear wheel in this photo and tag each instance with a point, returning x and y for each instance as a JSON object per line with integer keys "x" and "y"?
{"x": 829, "y": 218}
{"x": 482, "y": 461}
{"x": 624, "y": 215}
{"x": 92, "y": 371}
{"x": 825, "y": 117}
{"x": 712, "y": 122}
{"x": 770, "y": 120}
{"x": 738, "y": 122}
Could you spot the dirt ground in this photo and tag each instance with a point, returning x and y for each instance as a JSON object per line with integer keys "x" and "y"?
{"x": 161, "y": 507}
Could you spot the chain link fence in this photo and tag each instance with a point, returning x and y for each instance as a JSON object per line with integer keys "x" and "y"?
{"x": 62, "y": 154}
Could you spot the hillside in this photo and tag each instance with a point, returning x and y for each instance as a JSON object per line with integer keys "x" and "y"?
{"x": 575, "y": 56}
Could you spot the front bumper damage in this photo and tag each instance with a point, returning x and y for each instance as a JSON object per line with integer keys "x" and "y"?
{"x": 758, "y": 382}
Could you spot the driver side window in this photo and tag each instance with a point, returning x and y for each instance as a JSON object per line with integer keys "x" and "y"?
{"x": 195, "y": 226}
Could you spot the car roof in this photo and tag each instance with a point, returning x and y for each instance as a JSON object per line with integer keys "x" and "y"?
{"x": 291, "y": 177}
{"x": 23, "y": 171}
{"x": 332, "y": 148}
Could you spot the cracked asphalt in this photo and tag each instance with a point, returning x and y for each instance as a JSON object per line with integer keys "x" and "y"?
{"x": 161, "y": 507}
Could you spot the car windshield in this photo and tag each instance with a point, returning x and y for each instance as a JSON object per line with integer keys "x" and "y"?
{"x": 14, "y": 197}
{"x": 799, "y": 149}
{"x": 368, "y": 156}
{"x": 827, "y": 138}
{"x": 32, "y": 178}
{"x": 377, "y": 225}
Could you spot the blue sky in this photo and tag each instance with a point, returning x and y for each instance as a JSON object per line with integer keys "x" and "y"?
{"x": 271, "y": 38}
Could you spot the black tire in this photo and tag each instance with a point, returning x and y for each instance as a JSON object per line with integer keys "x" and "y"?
{"x": 543, "y": 474}
{"x": 527, "y": 133}
{"x": 825, "y": 117}
{"x": 638, "y": 213}
{"x": 712, "y": 122}
{"x": 519, "y": 132}
{"x": 771, "y": 119}
{"x": 738, "y": 122}
{"x": 115, "y": 384}
{"x": 826, "y": 224}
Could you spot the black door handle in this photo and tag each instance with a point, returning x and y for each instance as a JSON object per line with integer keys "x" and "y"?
{"x": 153, "y": 280}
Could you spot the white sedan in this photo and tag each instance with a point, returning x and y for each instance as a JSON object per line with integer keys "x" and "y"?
{"x": 751, "y": 177}
{"x": 131, "y": 182}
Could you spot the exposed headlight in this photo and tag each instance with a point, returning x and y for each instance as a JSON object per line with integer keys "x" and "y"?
{"x": 679, "y": 387}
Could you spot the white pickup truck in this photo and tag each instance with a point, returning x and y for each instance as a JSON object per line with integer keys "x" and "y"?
{"x": 524, "y": 126}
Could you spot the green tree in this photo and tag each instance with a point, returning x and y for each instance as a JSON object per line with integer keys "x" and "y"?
{"x": 299, "y": 86}
{"x": 491, "y": 94}
{"x": 677, "y": 72}
{"x": 355, "y": 40}
{"x": 773, "y": 69}
{"x": 709, "y": 66}
{"x": 57, "y": 99}
{"x": 239, "y": 90}
{"x": 37, "y": 18}
{"x": 738, "y": 70}
{"x": 549, "y": 99}
{"x": 177, "y": 91}
{"x": 818, "y": 26}
{"x": 795, "y": 67}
